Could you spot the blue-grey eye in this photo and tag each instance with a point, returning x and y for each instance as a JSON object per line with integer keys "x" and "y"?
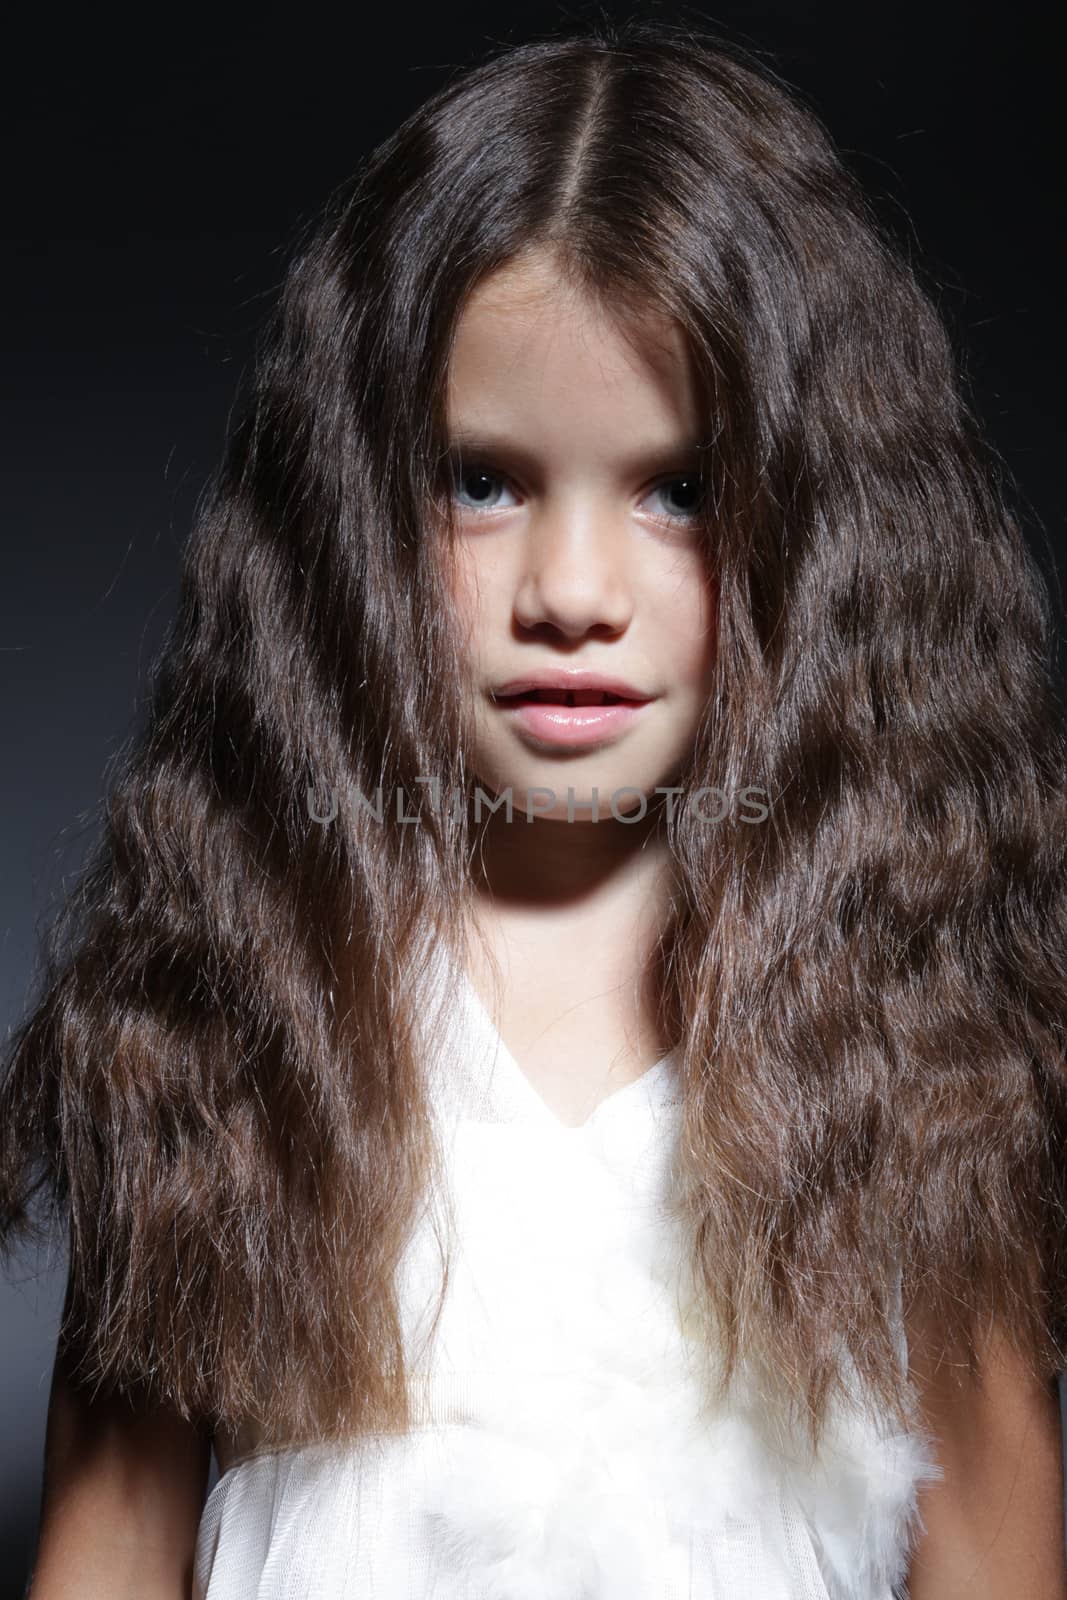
{"x": 693, "y": 490}
{"x": 478, "y": 482}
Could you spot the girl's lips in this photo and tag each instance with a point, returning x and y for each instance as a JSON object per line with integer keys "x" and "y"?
{"x": 571, "y": 727}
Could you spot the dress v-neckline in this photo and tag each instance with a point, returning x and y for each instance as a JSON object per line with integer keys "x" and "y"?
{"x": 612, "y": 1103}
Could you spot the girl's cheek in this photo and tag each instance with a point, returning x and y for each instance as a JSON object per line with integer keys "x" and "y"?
{"x": 465, "y": 591}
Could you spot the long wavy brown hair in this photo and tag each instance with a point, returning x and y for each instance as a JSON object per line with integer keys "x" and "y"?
{"x": 218, "y": 1088}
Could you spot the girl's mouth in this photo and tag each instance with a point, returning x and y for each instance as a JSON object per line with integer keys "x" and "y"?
{"x": 566, "y": 697}
{"x": 570, "y": 718}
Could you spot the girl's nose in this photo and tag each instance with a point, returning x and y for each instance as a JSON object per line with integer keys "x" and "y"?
{"x": 574, "y": 574}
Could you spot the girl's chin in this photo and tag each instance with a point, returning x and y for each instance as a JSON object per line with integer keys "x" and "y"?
{"x": 556, "y": 799}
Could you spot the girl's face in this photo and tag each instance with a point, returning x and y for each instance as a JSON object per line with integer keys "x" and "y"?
{"x": 575, "y": 485}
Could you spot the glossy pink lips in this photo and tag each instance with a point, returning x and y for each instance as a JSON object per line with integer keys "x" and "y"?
{"x": 566, "y": 726}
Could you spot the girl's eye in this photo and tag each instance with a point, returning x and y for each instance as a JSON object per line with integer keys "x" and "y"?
{"x": 479, "y": 480}
{"x": 482, "y": 483}
{"x": 692, "y": 491}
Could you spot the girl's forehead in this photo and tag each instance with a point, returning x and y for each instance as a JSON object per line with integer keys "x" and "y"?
{"x": 529, "y": 346}
{"x": 534, "y": 290}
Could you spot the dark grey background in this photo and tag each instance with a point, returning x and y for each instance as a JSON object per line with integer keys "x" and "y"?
{"x": 153, "y": 182}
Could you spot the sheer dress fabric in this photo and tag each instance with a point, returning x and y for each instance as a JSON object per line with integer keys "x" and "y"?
{"x": 560, "y": 1451}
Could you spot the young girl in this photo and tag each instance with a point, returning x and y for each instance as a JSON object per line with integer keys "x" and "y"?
{"x": 559, "y": 1068}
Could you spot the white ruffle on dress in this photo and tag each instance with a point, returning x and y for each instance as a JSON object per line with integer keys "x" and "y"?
{"x": 560, "y": 1451}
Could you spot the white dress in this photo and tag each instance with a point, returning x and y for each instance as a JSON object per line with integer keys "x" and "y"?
{"x": 558, "y": 1452}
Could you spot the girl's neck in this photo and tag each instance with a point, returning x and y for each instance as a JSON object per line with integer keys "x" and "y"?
{"x": 571, "y": 913}
{"x": 554, "y": 864}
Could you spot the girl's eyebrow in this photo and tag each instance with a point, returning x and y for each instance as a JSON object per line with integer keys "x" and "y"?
{"x": 483, "y": 442}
